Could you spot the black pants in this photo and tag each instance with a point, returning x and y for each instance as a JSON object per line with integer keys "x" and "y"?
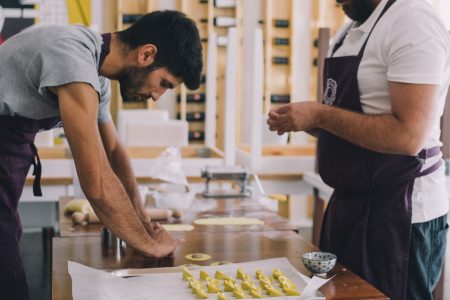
{"x": 427, "y": 252}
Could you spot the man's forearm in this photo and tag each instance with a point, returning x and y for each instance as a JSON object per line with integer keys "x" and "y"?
{"x": 120, "y": 163}
{"x": 118, "y": 214}
{"x": 382, "y": 133}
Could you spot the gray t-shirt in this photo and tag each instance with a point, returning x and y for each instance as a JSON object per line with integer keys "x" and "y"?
{"x": 46, "y": 56}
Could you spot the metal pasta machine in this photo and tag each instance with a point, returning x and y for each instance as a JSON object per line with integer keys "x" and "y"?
{"x": 236, "y": 175}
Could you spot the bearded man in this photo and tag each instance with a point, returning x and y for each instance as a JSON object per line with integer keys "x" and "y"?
{"x": 53, "y": 75}
{"x": 385, "y": 80}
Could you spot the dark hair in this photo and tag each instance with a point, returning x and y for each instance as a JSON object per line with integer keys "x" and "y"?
{"x": 177, "y": 39}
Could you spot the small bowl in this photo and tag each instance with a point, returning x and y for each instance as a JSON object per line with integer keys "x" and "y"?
{"x": 319, "y": 263}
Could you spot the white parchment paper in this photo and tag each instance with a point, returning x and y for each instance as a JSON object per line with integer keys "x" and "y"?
{"x": 89, "y": 283}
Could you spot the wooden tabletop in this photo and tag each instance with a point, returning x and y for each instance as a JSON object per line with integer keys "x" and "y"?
{"x": 222, "y": 246}
{"x": 201, "y": 208}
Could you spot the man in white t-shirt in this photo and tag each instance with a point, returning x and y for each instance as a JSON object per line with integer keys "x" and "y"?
{"x": 385, "y": 81}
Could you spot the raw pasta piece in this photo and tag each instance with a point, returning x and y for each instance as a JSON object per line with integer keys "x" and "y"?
{"x": 292, "y": 292}
{"x": 221, "y": 296}
{"x": 240, "y": 273}
{"x": 220, "y": 275}
{"x": 228, "y": 285}
{"x": 256, "y": 294}
{"x": 204, "y": 275}
{"x": 274, "y": 292}
{"x": 277, "y": 273}
{"x": 200, "y": 293}
{"x": 212, "y": 288}
{"x": 212, "y": 281}
{"x": 246, "y": 277}
{"x": 258, "y": 273}
{"x": 187, "y": 274}
{"x": 239, "y": 293}
{"x": 194, "y": 284}
{"x": 248, "y": 285}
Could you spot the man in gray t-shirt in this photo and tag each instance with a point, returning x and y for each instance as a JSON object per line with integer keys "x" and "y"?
{"x": 60, "y": 74}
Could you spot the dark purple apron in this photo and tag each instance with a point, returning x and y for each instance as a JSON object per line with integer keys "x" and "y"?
{"x": 367, "y": 223}
{"x": 17, "y": 154}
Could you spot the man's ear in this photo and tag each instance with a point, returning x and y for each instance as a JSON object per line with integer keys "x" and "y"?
{"x": 146, "y": 55}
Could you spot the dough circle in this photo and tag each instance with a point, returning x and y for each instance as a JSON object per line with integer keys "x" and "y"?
{"x": 198, "y": 256}
{"x": 228, "y": 221}
{"x": 177, "y": 227}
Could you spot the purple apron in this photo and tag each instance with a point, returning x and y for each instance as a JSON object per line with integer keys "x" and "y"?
{"x": 17, "y": 154}
{"x": 367, "y": 223}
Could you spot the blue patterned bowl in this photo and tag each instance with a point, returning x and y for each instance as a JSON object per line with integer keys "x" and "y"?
{"x": 319, "y": 263}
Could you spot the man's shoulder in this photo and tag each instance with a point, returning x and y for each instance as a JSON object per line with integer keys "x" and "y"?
{"x": 51, "y": 33}
{"x": 415, "y": 12}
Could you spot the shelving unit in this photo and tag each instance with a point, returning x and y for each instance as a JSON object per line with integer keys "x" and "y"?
{"x": 278, "y": 52}
{"x": 191, "y": 104}
{"x": 212, "y": 17}
{"x": 279, "y": 60}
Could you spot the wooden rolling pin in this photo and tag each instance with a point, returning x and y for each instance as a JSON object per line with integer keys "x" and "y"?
{"x": 88, "y": 217}
{"x": 156, "y": 214}
{"x": 159, "y": 214}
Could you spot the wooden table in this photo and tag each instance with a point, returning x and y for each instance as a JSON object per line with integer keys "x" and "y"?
{"x": 201, "y": 208}
{"x": 222, "y": 246}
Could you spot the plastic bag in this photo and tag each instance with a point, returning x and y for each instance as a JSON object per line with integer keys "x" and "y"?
{"x": 168, "y": 167}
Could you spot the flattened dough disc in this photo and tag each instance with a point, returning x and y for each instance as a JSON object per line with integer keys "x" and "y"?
{"x": 229, "y": 221}
{"x": 177, "y": 227}
{"x": 198, "y": 256}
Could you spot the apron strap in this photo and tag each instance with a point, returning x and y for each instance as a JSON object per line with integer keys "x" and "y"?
{"x": 361, "y": 52}
{"x": 430, "y": 152}
{"x": 37, "y": 171}
{"x": 427, "y": 153}
{"x": 105, "y": 48}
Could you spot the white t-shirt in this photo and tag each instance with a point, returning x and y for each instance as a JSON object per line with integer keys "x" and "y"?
{"x": 410, "y": 45}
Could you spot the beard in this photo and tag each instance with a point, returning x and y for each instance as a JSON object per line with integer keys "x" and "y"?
{"x": 359, "y": 10}
{"x": 131, "y": 81}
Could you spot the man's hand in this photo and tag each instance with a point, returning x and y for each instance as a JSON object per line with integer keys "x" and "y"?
{"x": 166, "y": 244}
{"x": 298, "y": 116}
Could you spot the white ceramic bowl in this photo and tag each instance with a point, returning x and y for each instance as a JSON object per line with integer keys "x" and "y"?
{"x": 173, "y": 200}
{"x": 319, "y": 263}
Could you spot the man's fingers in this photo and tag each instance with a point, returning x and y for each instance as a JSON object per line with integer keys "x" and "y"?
{"x": 283, "y": 109}
{"x": 273, "y": 114}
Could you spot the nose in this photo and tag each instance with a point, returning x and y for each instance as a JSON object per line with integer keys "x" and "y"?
{"x": 155, "y": 95}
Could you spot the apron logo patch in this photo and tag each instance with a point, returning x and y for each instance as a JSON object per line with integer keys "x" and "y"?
{"x": 330, "y": 92}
